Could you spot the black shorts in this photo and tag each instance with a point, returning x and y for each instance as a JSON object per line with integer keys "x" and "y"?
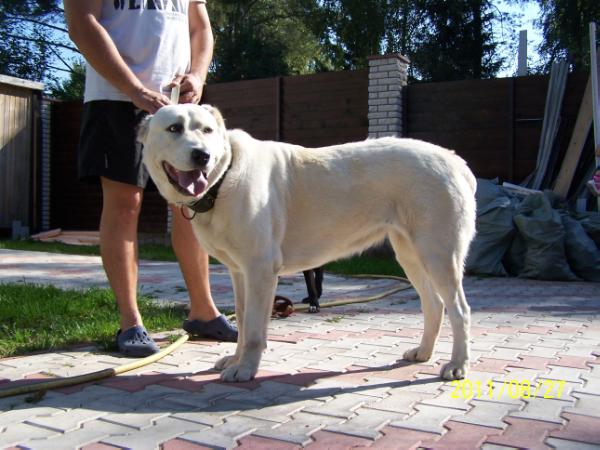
{"x": 107, "y": 143}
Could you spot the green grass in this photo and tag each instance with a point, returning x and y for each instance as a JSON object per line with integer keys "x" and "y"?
{"x": 34, "y": 318}
{"x": 366, "y": 265}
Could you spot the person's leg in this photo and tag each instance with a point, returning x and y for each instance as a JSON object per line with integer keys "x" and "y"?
{"x": 193, "y": 261}
{"x": 118, "y": 246}
{"x": 204, "y": 319}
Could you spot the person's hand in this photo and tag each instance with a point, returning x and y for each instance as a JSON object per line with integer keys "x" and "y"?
{"x": 148, "y": 100}
{"x": 191, "y": 86}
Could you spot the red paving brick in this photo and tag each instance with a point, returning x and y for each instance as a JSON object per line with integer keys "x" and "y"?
{"x": 182, "y": 444}
{"x": 579, "y": 362}
{"x": 532, "y": 362}
{"x": 524, "y": 433}
{"x": 491, "y": 365}
{"x": 579, "y": 428}
{"x": 400, "y": 439}
{"x": 135, "y": 383}
{"x": 374, "y": 334}
{"x": 325, "y": 440}
{"x": 461, "y": 436}
{"x": 260, "y": 443}
{"x": 537, "y": 330}
{"x": 404, "y": 371}
{"x": 305, "y": 377}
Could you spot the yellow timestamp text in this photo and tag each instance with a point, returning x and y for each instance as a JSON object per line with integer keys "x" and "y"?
{"x": 515, "y": 389}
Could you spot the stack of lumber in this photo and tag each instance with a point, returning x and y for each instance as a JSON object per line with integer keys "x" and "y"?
{"x": 69, "y": 237}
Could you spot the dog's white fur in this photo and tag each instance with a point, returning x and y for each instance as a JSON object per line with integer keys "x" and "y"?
{"x": 283, "y": 208}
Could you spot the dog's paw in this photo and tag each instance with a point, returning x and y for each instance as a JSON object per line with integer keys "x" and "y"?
{"x": 313, "y": 309}
{"x": 416, "y": 355}
{"x": 454, "y": 371}
{"x": 225, "y": 362}
{"x": 238, "y": 373}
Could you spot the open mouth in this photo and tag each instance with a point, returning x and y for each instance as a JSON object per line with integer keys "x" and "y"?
{"x": 188, "y": 182}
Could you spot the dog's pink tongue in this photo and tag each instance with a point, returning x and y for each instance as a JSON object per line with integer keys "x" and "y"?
{"x": 192, "y": 181}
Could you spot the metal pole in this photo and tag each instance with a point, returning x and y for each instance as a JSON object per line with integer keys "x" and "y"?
{"x": 595, "y": 97}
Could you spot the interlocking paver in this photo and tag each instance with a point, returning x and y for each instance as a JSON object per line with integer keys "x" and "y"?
{"x": 89, "y": 432}
{"x": 299, "y": 429}
{"x": 564, "y": 444}
{"x": 486, "y": 413}
{"x": 429, "y": 419}
{"x": 226, "y": 435}
{"x": 400, "y": 401}
{"x": 67, "y": 421}
{"x": 524, "y": 433}
{"x": 341, "y": 406}
{"x": 539, "y": 408}
{"x": 461, "y": 436}
{"x": 584, "y": 429}
{"x": 586, "y": 404}
{"x": 400, "y": 439}
{"x": 322, "y": 440}
{"x": 17, "y": 433}
{"x": 366, "y": 423}
{"x": 163, "y": 430}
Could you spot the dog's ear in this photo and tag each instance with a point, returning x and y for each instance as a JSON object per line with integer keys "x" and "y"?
{"x": 217, "y": 115}
{"x": 142, "y": 129}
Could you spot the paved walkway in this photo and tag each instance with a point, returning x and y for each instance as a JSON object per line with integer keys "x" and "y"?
{"x": 334, "y": 380}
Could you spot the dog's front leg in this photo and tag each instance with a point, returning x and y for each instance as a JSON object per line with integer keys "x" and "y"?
{"x": 260, "y": 283}
{"x": 237, "y": 280}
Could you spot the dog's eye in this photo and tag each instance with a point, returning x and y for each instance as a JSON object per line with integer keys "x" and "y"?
{"x": 175, "y": 128}
{"x": 207, "y": 130}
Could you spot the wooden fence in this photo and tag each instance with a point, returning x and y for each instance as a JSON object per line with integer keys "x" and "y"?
{"x": 494, "y": 124}
{"x": 19, "y": 162}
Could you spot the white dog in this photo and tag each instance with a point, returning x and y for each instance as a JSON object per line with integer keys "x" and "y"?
{"x": 267, "y": 208}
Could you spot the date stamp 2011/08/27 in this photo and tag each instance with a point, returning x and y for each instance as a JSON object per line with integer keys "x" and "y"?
{"x": 515, "y": 389}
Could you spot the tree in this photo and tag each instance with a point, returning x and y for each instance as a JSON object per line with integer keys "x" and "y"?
{"x": 71, "y": 88}
{"x": 31, "y": 36}
{"x": 565, "y": 30}
{"x": 456, "y": 40}
{"x": 261, "y": 38}
{"x": 349, "y": 30}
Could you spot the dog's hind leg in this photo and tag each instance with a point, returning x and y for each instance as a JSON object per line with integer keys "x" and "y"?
{"x": 445, "y": 266}
{"x": 260, "y": 282}
{"x": 431, "y": 303}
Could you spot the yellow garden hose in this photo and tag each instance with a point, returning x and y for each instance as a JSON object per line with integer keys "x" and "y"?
{"x": 93, "y": 376}
{"x": 106, "y": 373}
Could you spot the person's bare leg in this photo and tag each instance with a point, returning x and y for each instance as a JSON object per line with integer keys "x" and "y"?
{"x": 118, "y": 246}
{"x": 193, "y": 261}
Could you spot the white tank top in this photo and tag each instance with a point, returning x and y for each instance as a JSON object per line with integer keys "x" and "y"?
{"x": 153, "y": 38}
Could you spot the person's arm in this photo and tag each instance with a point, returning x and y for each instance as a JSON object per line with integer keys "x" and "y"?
{"x": 201, "y": 42}
{"x": 100, "y": 51}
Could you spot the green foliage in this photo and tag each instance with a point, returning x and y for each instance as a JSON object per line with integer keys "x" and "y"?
{"x": 456, "y": 40}
{"x": 260, "y": 38}
{"x": 71, "y": 88}
{"x": 565, "y": 26}
{"x": 26, "y": 38}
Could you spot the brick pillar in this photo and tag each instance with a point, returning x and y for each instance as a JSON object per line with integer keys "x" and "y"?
{"x": 46, "y": 119}
{"x": 388, "y": 75}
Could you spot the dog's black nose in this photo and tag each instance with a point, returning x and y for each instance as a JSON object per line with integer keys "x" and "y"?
{"x": 200, "y": 156}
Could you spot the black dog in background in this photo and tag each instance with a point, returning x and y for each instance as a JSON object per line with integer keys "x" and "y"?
{"x": 314, "y": 286}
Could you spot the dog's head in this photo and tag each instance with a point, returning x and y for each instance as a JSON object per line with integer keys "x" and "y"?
{"x": 183, "y": 146}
